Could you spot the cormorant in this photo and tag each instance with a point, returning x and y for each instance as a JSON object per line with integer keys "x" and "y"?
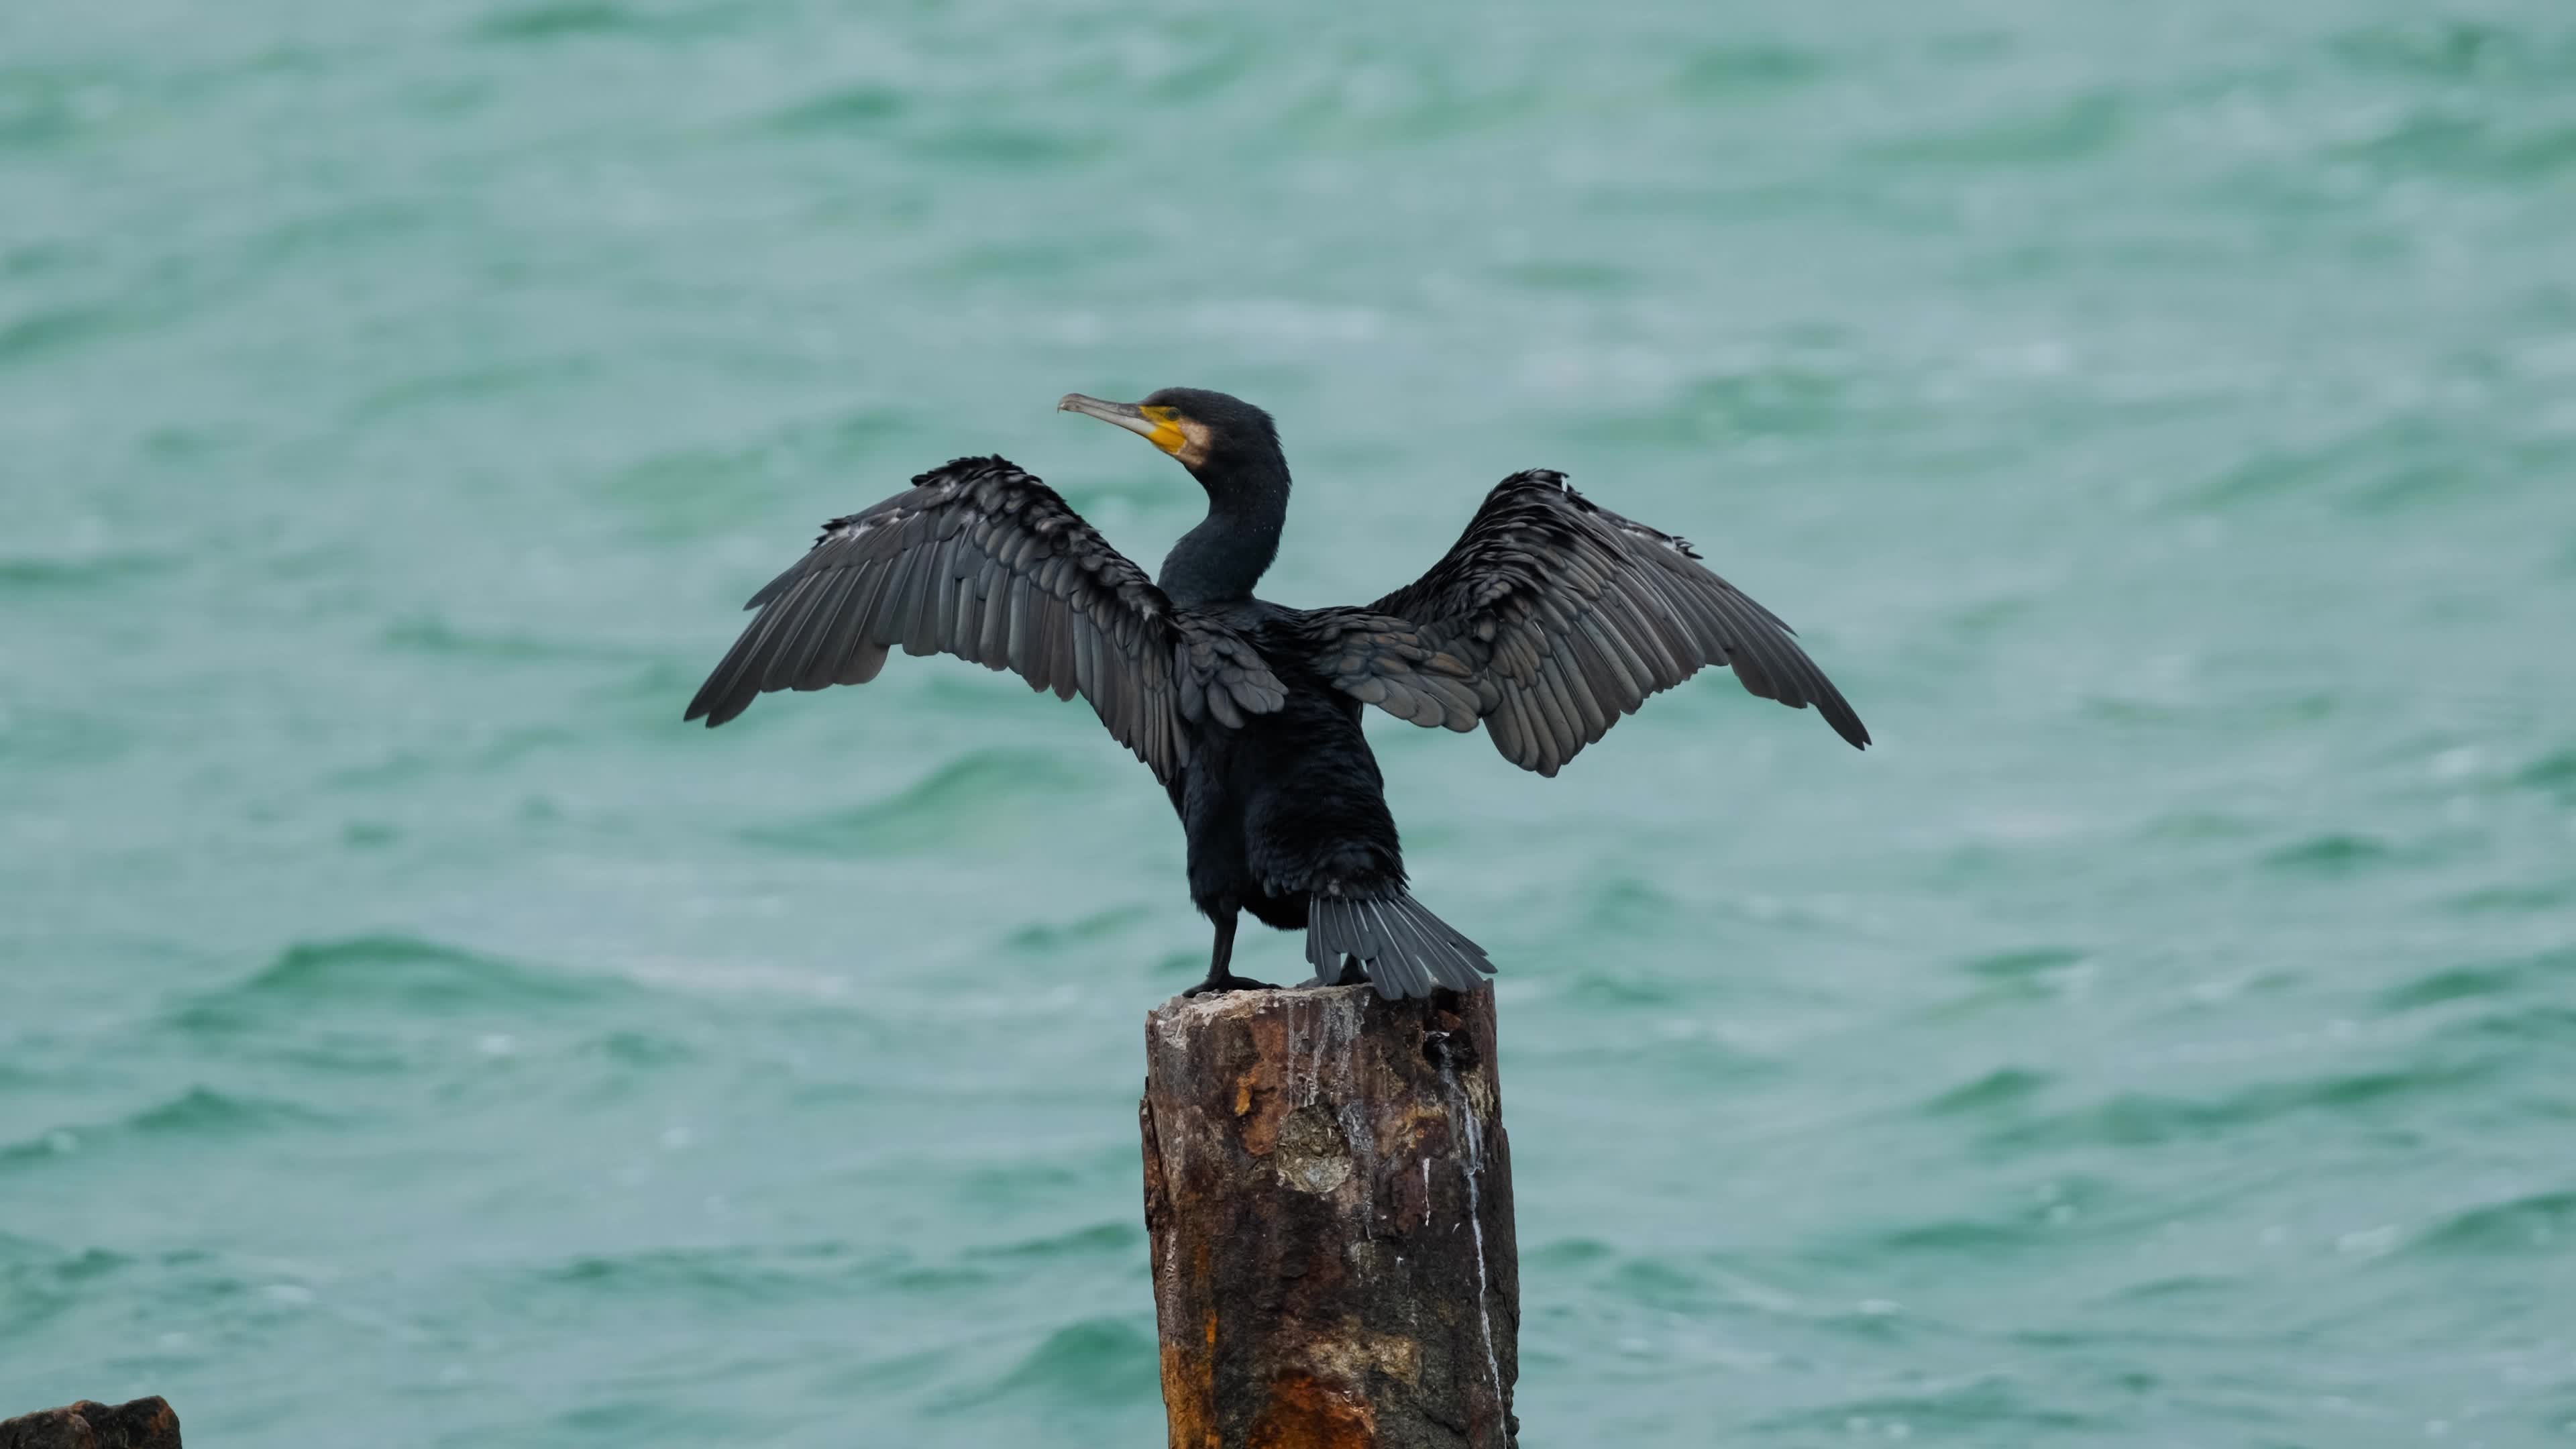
{"x": 1549, "y": 619}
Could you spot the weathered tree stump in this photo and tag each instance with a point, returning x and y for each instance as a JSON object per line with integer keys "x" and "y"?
{"x": 141, "y": 1424}
{"x": 1329, "y": 1196}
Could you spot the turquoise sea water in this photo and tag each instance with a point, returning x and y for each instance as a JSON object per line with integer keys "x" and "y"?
{"x": 2161, "y": 420}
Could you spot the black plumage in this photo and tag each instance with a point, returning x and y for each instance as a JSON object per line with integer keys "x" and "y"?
{"x": 1549, "y": 619}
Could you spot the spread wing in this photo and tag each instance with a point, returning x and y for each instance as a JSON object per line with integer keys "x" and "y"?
{"x": 1549, "y": 619}
{"x": 980, "y": 560}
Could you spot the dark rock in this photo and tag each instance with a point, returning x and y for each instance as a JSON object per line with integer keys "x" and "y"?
{"x": 142, "y": 1424}
{"x": 1328, "y": 1191}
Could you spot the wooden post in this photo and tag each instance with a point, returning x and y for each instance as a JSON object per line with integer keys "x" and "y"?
{"x": 142, "y": 1424}
{"x": 1329, "y": 1197}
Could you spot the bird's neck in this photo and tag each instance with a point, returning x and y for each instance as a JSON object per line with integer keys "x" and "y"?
{"x": 1219, "y": 561}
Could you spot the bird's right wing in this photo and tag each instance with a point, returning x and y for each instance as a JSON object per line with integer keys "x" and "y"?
{"x": 1548, "y": 620}
{"x": 980, "y": 560}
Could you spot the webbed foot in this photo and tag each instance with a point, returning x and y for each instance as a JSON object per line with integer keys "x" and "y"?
{"x": 1228, "y": 982}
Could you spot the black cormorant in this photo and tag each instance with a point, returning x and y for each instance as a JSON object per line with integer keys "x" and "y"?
{"x": 1549, "y": 619}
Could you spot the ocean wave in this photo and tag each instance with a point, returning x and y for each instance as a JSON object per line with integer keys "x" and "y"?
{"x": 45, "y": 106}
{"x": 982, "y": 795}
{"x": 1103, "y": 1362}
{"x": 2553, "y": 774}
{"x": 1565, "y": 1254}
{"x": 401, "y": 973}
{"x": 1783, "y": 399}
{"x": 40, "y": 572}
{"x": 434, "y": 635}
{"x": 1367, "y": 101}
{"x": 1981, "y": 1406}
{"x": 749, "y": 1275}
{"x": 2143, "y": 1119}
{"x": 2516, "y": 1029}
{"x": 46, "y": 331}
{"x": 858, "y": 108}
{"x": 2003, "y": 1087}
{"x": 821, "y": 1271}
{"x": 1123, "y": 1241}
{"x": 1747, "y": 70}
{"x": 566, "y": 20}
{"x": 999, "y": 148}
{"x": 1620, "y": 988}
{"x": 2447, "y": 143}
{"x": 39, "y": 1282}
{"x": 199, "y": 1114}
{"x": 2513, "y": 899}
{"x": 2446, "y": 50}
{"x": 2482, "y": 979}
{"x": 2025, "y": 963}
{"x": 2334, "y": 854}
{"x": 1048, "y": 937}
{"x": 548, "y": 21}
{"x": 2541, "y": 1222}
{"x": 2078, "y": 128}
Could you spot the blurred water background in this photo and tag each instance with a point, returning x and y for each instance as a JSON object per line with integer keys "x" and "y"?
{"x": 2160, "y": 419}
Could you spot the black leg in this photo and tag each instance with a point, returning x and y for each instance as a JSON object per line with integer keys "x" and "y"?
{"x": 1353, "y": 973}
{"x": 1218, "y": 977}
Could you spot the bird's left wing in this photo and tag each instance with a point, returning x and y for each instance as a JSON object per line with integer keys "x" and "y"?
{"x": 1549, "y": 619}
{"x": 980, "y": 560}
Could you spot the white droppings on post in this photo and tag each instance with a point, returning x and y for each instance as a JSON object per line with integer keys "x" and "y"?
{"x": 1317, "y": 1030}
{"x": 1176, "y": 1023}
{"x": 1475, "y": 1166}
{"x": 1355, "y": 1128}
{"x": 1343, "y": 1010}
{"x": 1315, "y": 1057}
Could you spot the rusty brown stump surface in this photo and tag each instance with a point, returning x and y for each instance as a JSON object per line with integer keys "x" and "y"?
{"x": 1329, "y": 1196}
{"x": 141, "y": 1424}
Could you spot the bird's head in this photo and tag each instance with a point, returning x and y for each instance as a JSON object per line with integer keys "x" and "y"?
{"x": 1222, "y": 440}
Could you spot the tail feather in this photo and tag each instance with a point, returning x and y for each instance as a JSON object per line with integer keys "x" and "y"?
{"x": 1407, "y": 950}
